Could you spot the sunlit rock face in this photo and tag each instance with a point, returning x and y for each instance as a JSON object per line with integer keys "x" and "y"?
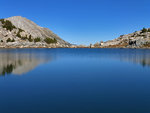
{"x": 20, "y": 63}
{"x": 33, "y": 29}
{"x": 22, "y": 33}
{"x": 137, "y": 39}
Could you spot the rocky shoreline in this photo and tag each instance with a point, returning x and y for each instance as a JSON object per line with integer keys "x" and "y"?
{"x": 66, "y": 46}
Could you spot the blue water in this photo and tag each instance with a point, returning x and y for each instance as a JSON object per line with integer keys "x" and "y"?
{"x": 74, "y": 81}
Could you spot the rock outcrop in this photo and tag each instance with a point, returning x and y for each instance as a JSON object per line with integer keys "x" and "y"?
{"x": 138, "y": 39}
{"x": 20, "y": 32}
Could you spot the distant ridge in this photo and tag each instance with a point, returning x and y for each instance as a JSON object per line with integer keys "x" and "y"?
{"x": 138, "y": 39}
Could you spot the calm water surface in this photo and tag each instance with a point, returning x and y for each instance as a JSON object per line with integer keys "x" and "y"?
{"x": 74, "y": 81}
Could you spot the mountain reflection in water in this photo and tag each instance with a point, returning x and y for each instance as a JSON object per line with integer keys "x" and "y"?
{"x": 19, "y": 63}
{"x": 136, "y": 56}
{"x": 78, "y": 80}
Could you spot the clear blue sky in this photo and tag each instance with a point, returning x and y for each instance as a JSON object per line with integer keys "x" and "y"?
{"x": 83, "y": 21}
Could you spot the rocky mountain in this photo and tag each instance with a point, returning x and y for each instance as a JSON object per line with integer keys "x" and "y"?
{"x": 138, "y": 39}
{"x": 20, "y": 32}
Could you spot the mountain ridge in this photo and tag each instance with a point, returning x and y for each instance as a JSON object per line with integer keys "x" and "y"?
{"x": 18, "y": 31}
{"x": 137, "y": 39}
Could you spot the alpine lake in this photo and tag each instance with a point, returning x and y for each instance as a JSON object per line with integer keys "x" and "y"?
{"x": 78, "y": 80}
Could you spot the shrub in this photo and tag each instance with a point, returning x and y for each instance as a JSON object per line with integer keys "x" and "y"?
{"x": 144, "y": 30}
{"x": 18, "y": 34}
{"x": 37, "y": 39}
{"x": 121, "y": 35}
{"x": 2, "y": 21}
{"x": 30, "y": 36}
{"x": 30, "y": 39}
{"x": 49, "y": 40}
{"x": 20, "y": 30}
{"x": 148, "y": 30}
{"x": 8, "y": 25}
{"x": 12, "y": 40}
{"x": 24, "y": 38}
{"x": 54, "y": 40}
{"x": 8, "y": 40}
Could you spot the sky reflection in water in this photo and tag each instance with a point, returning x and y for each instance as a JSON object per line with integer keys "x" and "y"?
{"x": 17, "y": 61}
{"x": 75, "y": 80}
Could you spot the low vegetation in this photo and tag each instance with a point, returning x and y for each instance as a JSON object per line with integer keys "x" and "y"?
{"x": 49, "y": 40}
{"x": 2, "y": 21}
{"x": 30, "y": 38}
{"x": 144, "y": 30}
{"x": 147, "y": 44}
{"x": 19, "y": 31}
{"x": 24, "y": 37}
{"x": 10, "y": 40}
{"x": 37, "y": 39}
{"x": 19, "y": 35}
{"x": 7, "y": 24}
